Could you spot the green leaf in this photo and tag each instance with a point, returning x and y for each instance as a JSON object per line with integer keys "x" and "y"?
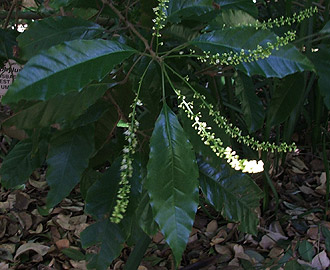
{"x": 231, "y": 18}
{"x": 144, "y": 212}
{"x": 233, "y": 193}
{"x": 172, "y": 181}
{"x": 252, "y": 107}
{"x": 282, "y": 62}
{"x": 7, "y": 42}
{"x": 105, "y": 126}
{"x": 321, "y": 60}
{"x": 88, "y": 178}
{"x": 66, "y": 67}
{"x": 306, "y": 250}
{"x": 21, "y": 161}
{"x": 292, "y": 265}
{"x": 285, "y": 98}
{"x": 73, "y": 254}
{"x": 110, "y": 238}
{"x": 326, "y": 28}
{"x": 43, "y": 34}
{"x": 102, "y": 195}
{"x": 326, "y": 234}
{"x": 245, "y": 5}
{"x": 67, "y": 159}
{"x": 59, "y": 109}
{"x": 178, "y": 9}
{"x": 92, "y": 114}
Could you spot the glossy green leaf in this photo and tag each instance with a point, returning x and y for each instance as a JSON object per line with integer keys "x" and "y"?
{"x": 230, "y": 18}
{"x": 21, "y": 161}
{"x": 67, "y": 159}
{"x": 233, "y": 193}
{"x": 66, "y": 67}
{"x": 326, "y": 28}
{"x": 109, "y": 237}
{"x": 43, "y": 34}
{"x": 144, "y": 212}
{"x": 92, "y": 114}
{"x": 180, "y": 33}
{"x": 245, "y": 5}
{"x": 7, "y": 42}
{"x": 172, "y": 181}
{"x": 286, "y": 98}
{"x": 105, "y": 127}
{"x": 102, "y": 195}
{"x": 59, "y": 109}
{"x": 282, "y": 62}
{"x": 253, "y": 110}
{"x": 178, "y": 9}
{"x": 88, "y": 178}
{"x": 321, "y": 60}
{"x": 306, "y": 250}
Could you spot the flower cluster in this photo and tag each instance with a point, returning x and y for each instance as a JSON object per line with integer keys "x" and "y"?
{"x": 160, "y": 12}
{"x": 235, "y": 133}
{"x": 216, "y": 145}
{"x": 296, "y": 17}
{"x": 236, "y": 58}
{"x": 281, "y": 21}
{"x": 126, "y": 168}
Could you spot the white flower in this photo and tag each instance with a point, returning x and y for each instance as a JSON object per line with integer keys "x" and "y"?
{"x": 127, "y": 133}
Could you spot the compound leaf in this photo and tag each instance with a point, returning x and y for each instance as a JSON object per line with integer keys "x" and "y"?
{"x": 66, "y": 67}
{"x": 172, "y": 181}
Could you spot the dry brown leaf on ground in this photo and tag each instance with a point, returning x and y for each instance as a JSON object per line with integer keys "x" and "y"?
{"x": 4, "y": 266}
{"x": 321, "y": 261}
{"x": 39, "y": 248}
{"x": 269, "y": 240}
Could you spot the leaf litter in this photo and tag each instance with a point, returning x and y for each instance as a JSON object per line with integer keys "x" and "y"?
{"x": 298, "y": 236}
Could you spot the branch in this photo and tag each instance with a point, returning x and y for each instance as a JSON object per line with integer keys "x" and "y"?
{"x": 10, "y": 12}
{"x": 131, "y": 26}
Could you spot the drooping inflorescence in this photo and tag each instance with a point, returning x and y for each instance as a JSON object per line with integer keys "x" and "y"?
{"x": 126, "y": 168}
{"x": 281, "y": 21}
{"x": 215, "y": 144}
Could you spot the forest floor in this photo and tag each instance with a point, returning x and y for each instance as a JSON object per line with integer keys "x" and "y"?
{"x": 296, "y": 234}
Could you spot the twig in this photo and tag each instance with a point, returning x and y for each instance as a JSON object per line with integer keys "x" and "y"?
{"x": 131, "y": 27}
{"x": 10, "y": 12}
{"x": 130, "y": 71}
